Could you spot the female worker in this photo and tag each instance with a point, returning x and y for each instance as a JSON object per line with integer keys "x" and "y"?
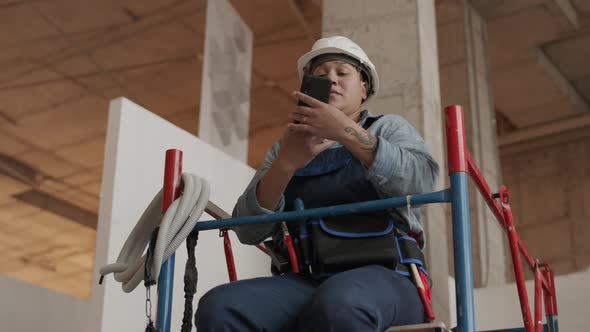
{"x": 332, "y": 153}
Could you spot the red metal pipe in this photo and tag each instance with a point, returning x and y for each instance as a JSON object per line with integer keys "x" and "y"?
{"x": 172, "y": 177}
{"x": 229, "y": 256}
{"x": 538, "y": 291}
{"x": 484, "y": 189}
{"x": 518, "y": 270}
{"x": 292, "y": 255}
{"x": 529, "y": 259}
{"x": 550, "y": 295}
{"x": 456, "y": 145}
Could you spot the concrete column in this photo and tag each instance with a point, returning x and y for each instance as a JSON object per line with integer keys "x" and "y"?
{"x": 400, "y": 38}
{"x": 465, "y": 80}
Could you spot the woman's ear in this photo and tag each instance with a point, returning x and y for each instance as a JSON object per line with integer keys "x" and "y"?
{"x": 364, "y": 84}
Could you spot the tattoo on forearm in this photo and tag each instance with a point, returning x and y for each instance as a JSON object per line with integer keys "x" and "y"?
{"x": 369, "y": 141}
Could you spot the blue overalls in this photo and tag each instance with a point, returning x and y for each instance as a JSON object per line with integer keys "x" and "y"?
{"x": 368, "y": 298}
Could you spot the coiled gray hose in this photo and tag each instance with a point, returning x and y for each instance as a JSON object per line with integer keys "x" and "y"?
{"x": 177, "y": 223}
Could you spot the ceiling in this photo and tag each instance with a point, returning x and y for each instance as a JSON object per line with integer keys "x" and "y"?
{"x": 538, "y": 59}
{"x": 63, "y": 60}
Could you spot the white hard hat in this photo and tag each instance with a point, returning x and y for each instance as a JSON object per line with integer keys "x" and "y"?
{"x": 341, "y": 45}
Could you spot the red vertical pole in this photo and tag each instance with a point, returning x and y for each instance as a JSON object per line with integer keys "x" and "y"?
{"x": 538, "y": 303}
{"x": 550, "y": 297}
{"x": 456, "y": 145}
{"x": 516, "y": 261}
{"x": 172, "y": 177}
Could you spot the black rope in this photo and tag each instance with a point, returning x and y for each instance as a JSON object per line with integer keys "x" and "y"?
{"x": 190, "y": 282}
{"x": 149, "y": 259}
{"x": 151, "y": 328}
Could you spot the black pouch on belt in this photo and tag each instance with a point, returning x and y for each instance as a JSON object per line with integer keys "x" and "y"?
{"x": 346, "y": 242}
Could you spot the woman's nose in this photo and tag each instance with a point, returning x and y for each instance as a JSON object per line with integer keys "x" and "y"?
{"x": 333, "y": 77}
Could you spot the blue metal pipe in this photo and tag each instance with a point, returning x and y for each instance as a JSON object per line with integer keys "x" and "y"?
{"x": 337, "y": 210}
{"x": 165, "y": 287}
{"x": 166, "y": 279}
{"x": 462, "y": 252}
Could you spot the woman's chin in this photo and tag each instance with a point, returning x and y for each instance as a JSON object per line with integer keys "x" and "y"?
{"x": 337, "y": 103}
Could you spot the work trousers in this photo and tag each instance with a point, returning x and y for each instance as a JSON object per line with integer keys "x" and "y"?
{"x": 369, "y": 298}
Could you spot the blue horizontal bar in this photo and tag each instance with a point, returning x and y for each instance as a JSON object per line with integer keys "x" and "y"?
{"x": 337, "y": 210}
{"x": 516, "y": 329}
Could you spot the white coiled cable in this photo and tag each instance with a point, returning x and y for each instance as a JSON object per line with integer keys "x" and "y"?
{"x": 177, "y": 223}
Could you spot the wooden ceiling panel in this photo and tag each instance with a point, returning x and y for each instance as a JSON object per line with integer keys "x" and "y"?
{"x": 7, "y": 240}
{"x": 263, "y": 16}
{"x": 181, "y": 7}
{"x": 195, "y": 23}
{"x": 49, "y": 224}
{"x": 270, "y": 107}
{"x": 19, "y": 75}
{"x": 65, "y": 124}
{"x": 83, "y": 238}
{"x": 48, "y": 163}
{"x": 89, "y": 153}
{"x": 82, "y": 15}
{"x": 279, "y": 61}
{"x": 31, "y": 273}
{"x": 290, "y": 85}
{"x": 54, "y": 186}
{"x": 10, "y": 186}
{"x": 260, "y": 142}
{"x": 81, "y": 198}
{"x": 22, "y": 23}
{"x": 282, "y": 34}
{"x": 141, "y": 7}
{"x": 93, "y": 188}
{"x": 166, "y": 88}
{"x": 159, "y": 43}
{"x": 18, "y": 62}
{"x": 11, "y": 146}
{"x": 14, "y": 209}
{"x": 84, "y": 176}
{"x": 187, "y": 120}
{"x": 84, "y": 260}
{"x": 97, "y": 82}
{"x": 18, "y": 102}
{"x": 75, "y": 65}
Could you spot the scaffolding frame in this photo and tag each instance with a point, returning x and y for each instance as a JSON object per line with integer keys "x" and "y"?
{"x": 461, "y": 167}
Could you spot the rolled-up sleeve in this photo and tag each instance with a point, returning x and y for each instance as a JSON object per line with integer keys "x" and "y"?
{"x": 248, "y": 205}
{"x": 402, "y": 165}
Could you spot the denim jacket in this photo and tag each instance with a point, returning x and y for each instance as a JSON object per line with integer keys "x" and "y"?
{"x": 402, "y": 166}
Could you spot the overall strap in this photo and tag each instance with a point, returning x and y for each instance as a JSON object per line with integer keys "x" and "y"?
{"x": 370, "y": 120}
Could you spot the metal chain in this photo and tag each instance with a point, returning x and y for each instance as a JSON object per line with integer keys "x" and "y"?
{"x": 148, "y": 303}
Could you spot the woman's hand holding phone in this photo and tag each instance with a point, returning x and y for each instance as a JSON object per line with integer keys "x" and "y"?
{"x": 319, "y": 119}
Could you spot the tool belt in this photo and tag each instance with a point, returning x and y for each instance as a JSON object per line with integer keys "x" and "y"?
{"x": 340, "y": 243}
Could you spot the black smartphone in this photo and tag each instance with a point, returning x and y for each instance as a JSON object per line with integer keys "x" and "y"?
{"x": 316, "y": 87}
